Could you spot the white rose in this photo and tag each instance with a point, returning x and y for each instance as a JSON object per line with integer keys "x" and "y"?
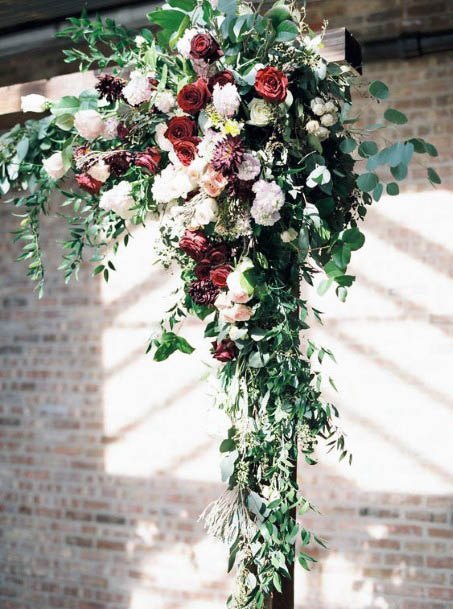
{"x": 89, "y": 124}
{"x": 328, "y": 119}
{"x": 288, "y": 235}
{"x": 161, "y": 140}
{"x": 33, "y": 103}
{"x": 331, "y": 107}
{"x": 323, "y": 134}
{"x": 260, "y": 112}
{"x": 119, "y": 199}
{"x": 99, "y": 171}
{"x": 236, "y": 333}
{"x": 54, "y": 166}
{"x": 317, "y": 106}
{"x": 312, "y": 127}
{"x": 205, "y": 212}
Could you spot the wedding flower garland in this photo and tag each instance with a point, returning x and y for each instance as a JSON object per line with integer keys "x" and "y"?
{"x": 231, "y": 131}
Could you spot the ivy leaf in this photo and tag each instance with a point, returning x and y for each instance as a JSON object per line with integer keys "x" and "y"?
{"x": 379, "y": 90}
{"x": 354, "y": 238}
{"x": 395, "y": 116}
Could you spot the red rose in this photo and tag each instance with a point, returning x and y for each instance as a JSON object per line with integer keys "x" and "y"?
{"x": 193, "y": 97}
{"x": 219, "y": 275}
{"x": 202, "y": 269}
{"x": 271, "y": 84}
{"x": 221, "y": 78}
{"x": 179, "y": 128}
{"x": 186, "y": 150}
{"x": 203, "y": 46}
{"x": 218, "y": 255}
{"x": 225, "y": 351}
{"x": 194, "y": 244}
{"x": 149, "y": 159}
{"x": 85, "y": 181}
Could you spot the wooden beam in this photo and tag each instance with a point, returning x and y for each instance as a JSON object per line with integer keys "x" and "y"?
{"x": 339, "y": 46}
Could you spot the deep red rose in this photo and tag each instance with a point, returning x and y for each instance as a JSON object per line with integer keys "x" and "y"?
{"x": 203, "y": 269}
{"x": 186, "y": 150}
{"x": 85, "y": 181}
{"x": 225, "y": 351}
{"x": 180, "y": 128}
{"x": 221, "y": 78}
{"x": 219, "y": 275}
{"x": 218, "y": 255}
{"x": 271, "y": 84}
{"x": 149, "y": 159}
{"x": 194, "y": 243}
{"x": 203, "y": 46}
{"x": 122, "y": 131}
{"x": 193, "y": 97}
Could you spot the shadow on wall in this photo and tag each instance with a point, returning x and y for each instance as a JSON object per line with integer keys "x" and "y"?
{"x": 109, "y": 458}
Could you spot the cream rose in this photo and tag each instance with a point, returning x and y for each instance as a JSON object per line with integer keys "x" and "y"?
{"x": 260, "y": 113}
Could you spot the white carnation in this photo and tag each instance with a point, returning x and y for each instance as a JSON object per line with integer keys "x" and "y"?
{"x": 161, "y": 140}
{"x": 328, "y": 120}
{"x": 183, "y": 44}
{"x": 260, "y": 112}
{"x": 99, "y": 171}
{"x": 172, "y": 183}
{"x": 317, "y": 106}
{"x": 118, "y": 199}
{"x": 269, "y": 199}
{"x": 206, "y": 211}
{"x": 54, "y": 166}
{"x": 34, "y": 103}
{"x": 164, "y": 101}
{"x": 137, "y": 90}
{"x": 226, "y": 99}
{"x": 249, "y": 168}
{"x": 89, "y": 124}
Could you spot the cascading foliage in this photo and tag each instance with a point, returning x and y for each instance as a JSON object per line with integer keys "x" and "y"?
{"x": 230, "y": 130}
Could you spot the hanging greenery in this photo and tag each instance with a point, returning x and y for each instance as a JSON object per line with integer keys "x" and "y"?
{"x": 230, "y": 130}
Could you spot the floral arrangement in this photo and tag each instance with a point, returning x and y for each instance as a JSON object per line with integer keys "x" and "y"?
{"x": 229, "y": 129}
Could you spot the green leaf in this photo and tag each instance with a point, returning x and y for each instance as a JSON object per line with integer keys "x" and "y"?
{"x": 287, "y": 31}
{"x": 395, "y": 116}
{"x": 324, "y": 286}
{"x": 399, "y": 172}
{"x": 167, "y": 19}
{"x": 433, "y": 176}
{"x": 348, "y": 145}
{"x": 368, "y": 148}
{"x": 258, "y": 360}
{"x": 185, "y": 5}
{"x": 22, "y": 148}
{"x": 393, "y": 189}
{"x": 278, "y": 13}
{"x": 367, "y": 182}
{"x": 377, "y": 192}
{"x": 227, "y": 6}
{"x": 67, "y": 105}
{"x": 379, "y": 90}
{"x": 227, "y": 465}
{"x": 354, "y": 238}
{"x": 341, "y": 255}
{"x": 227, "y": 445}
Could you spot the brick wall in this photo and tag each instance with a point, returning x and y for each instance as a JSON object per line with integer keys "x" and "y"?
{"x": 108, "y": 458}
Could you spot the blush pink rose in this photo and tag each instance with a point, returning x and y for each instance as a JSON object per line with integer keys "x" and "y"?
{"x": 238, "y": 312}
{"x": 237, "y": 293}
{"x": 213, "y": 182}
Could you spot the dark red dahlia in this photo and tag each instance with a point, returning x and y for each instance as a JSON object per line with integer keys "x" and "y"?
{"x": 149, "y": 159}
{"x": 110, "y": 87}
{"x": 88, "y": 183}
{"x": 195, "y": 244}
{"x": 228, "y": 155}
{"x": 203, "y": 292}
{"x": 119, "y": 162}
{"x": 225, "y": 351}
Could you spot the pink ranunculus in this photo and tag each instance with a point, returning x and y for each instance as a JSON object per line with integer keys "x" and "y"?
{"x": 238, "y": 312}
{"x": 213, "y": 182}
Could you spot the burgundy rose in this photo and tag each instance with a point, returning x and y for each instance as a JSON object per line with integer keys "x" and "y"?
{"x": 180, "y": 128}
{"x": 85, "y": 181}
{"x": 203, "y": 269}
{"x": 194, "y": 244}
{"x": 122, "y": 131}
{"x": 271, "y": 84}
{"x": 186, "y": 150}
{"x": 219, "y": 275}
{"x": 149, "y": 159}
{"x": 193, "y": 97}
{"x": 221, "y": 78}
{"x": 218, "y": 255}
{"x": 203, "y": 46}
{"x": 225, "y": 351}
